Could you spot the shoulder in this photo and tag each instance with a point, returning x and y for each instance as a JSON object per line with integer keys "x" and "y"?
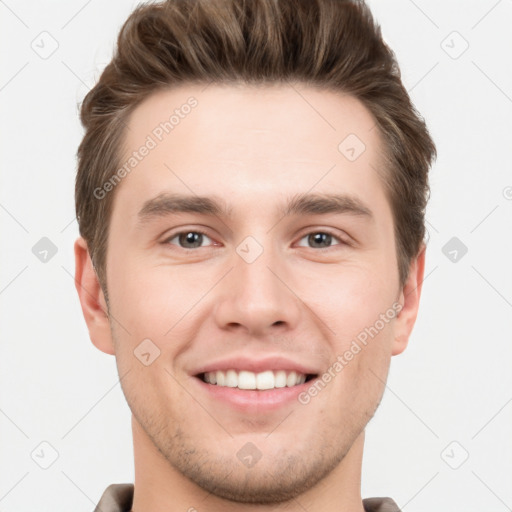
{"x": 116, "y": 498}
{"x": 380, "y": 505}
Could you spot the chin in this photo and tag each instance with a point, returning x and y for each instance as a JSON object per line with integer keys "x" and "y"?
{"x": 279, "y": 479}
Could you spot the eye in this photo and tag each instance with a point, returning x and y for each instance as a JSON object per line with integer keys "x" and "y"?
{"x": 188, "y": 239}
{"x": 322, "y": 239}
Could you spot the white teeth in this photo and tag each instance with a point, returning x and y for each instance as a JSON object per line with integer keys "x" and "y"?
{"x": 231, "y": 379}
{"x": 249, "y": 380}
{"x": 265, "y": 380}
{"x": 291, "y": 379}
{"x": 246, "y": 380}
{"x": 280, "y": 379}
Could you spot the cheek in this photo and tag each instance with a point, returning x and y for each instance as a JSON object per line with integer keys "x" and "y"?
{"x": 351, "y": 299}
{"x": 360, "y": 317}
{"x": 151, "y": 299}
{"x": 159, "y": 304}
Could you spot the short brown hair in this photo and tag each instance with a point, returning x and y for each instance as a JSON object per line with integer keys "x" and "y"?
{"x": 332, "y": 44}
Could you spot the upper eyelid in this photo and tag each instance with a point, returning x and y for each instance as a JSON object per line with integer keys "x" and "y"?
{"x": 168, "y": 238}
{"x": 326, "y": 231}
{"x": 300, "y": 237}
{"x": 346, "y": 240}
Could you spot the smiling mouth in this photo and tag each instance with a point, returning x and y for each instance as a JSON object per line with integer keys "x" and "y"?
{"x": 262, "y": 381}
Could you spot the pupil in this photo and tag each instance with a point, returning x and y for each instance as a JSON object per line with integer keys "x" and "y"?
{"x": 192, "y": 238}
{"x": 320, "y": 237}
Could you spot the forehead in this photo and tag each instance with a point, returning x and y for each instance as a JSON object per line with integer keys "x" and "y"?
{"x": 252, "y": 141}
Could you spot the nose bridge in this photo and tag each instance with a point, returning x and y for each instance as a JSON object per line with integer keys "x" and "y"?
{"x": 254, "y": 295}
{"x": 253, "y": 268}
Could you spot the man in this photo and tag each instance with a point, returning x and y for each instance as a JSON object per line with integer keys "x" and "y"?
{"x": 251, "y": 192}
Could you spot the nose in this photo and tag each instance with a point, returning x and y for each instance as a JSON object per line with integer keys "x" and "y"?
{"x": 258, "y": 296}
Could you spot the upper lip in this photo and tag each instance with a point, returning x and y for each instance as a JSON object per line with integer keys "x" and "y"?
{"x": 256, "y": 365}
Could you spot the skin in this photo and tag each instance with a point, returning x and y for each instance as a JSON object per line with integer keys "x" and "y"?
{"x": 253, "y": 147}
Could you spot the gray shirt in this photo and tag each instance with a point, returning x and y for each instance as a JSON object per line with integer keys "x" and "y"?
{"x": 119, "y": 498}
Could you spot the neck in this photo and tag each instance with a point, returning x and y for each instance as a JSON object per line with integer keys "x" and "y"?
{"x": 159, "y": 487}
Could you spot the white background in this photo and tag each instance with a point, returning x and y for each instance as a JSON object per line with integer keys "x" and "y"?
{"x": 453, "y": 383}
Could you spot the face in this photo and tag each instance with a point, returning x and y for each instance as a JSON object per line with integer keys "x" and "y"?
{"x": 254, "y": 298}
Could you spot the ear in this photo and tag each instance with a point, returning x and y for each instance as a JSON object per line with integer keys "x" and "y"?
{"x": 92, "y": 300}
{"x": 410, "y": 301}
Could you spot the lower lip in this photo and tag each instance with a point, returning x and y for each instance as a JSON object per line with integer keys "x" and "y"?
{"x": 254, "y": 401}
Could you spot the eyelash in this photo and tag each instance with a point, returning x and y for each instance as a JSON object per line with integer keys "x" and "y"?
{"x": 326, "y": 232}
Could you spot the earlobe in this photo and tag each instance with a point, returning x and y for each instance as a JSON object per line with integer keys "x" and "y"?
{"x": 410, "y": 300}
{"x": 92, "y": 299}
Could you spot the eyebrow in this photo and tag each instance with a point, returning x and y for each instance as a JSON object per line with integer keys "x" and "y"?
{"x": 299, "y": 204}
